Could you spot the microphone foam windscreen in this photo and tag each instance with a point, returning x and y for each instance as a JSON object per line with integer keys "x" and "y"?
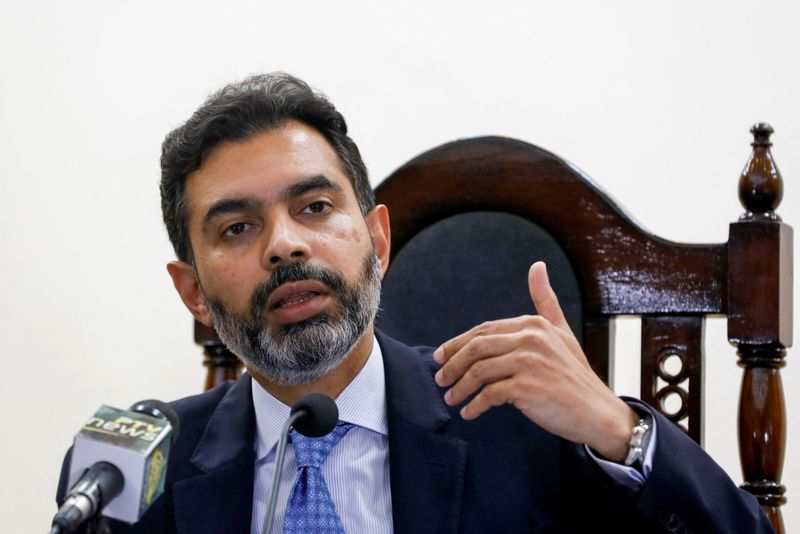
{"x": 159, "y": 410}
{"x": 321, "y": 415}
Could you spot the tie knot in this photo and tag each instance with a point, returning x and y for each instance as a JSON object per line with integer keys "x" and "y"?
{"x": 312, "y": 452}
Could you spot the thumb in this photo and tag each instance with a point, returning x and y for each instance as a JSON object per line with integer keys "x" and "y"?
{"x": 543, "y": 296}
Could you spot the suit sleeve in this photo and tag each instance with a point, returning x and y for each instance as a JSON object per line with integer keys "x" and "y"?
{"x": 686, "y": 489}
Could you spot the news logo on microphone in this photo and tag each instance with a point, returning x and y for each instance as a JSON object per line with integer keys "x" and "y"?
{"x": 137, "y": 444}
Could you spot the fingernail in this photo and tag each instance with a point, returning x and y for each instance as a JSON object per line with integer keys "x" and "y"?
{"x": 461, "y": 412}
{"x": 447, "y": 396}
{"x": 438, "y": 355}
{"x": 439, "y": 377}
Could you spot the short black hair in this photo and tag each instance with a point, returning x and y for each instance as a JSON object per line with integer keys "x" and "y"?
{"x": 237, "y": 112}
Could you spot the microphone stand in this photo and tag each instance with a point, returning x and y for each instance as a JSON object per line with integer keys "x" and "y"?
{"x": 276, "y": 477}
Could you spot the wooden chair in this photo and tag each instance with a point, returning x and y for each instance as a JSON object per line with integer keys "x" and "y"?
{"x": 493, "y": 205}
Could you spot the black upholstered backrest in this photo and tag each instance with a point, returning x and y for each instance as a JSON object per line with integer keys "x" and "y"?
{"x": 467, "y": 269}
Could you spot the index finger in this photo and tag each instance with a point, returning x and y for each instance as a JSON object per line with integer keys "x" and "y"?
{"x": 501, "y": 326}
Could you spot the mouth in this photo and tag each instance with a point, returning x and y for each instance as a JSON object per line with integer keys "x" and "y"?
{"x": 297, "y": 301}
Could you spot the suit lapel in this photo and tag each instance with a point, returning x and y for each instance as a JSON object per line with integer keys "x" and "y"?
{"x": 221, "y": 498}
{"x": 426, "y": 465}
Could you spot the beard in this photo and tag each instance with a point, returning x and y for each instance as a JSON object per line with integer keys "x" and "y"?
{"x": 299, "y": 353}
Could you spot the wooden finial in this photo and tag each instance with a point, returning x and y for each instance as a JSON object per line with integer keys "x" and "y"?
{"x": 761, "y": 132}
{"x": 760, "y": 185}
{"x": 221, "y": 363}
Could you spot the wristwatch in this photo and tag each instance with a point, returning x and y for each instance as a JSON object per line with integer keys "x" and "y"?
{"x": 637, "y": 445}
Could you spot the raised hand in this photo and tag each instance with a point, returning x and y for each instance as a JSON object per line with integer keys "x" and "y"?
{"x": 535, "y": 363}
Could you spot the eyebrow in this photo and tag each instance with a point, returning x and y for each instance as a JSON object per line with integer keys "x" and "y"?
{"x": 317, "y": 181}
{"x": 234, "y": 205}
{"x": 230, "y": 205}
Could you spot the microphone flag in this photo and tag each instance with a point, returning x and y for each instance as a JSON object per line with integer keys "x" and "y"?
{"x": 137, "y": 444}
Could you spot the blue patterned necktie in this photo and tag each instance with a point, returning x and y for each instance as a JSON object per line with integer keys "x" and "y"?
{"x": 310, "y": 509}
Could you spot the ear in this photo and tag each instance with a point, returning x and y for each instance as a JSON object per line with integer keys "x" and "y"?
{"x": 378, "y": 225}
{"x": 184, "y": 279}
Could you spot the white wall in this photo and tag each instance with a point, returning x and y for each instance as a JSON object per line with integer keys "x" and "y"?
{"x": 654, "y": 101}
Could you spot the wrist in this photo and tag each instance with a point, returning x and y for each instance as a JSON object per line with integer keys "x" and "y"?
{"x": 614, "y": 443}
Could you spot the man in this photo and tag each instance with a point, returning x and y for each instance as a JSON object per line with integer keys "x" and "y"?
{"x": 504, "y": 428}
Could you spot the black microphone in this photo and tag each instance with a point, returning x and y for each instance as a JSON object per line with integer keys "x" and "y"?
{"x": 313, "y": 415}
{"x": 112, "y": 448}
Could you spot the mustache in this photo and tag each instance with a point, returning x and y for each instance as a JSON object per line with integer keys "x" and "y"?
{"x": 292, "y": 272}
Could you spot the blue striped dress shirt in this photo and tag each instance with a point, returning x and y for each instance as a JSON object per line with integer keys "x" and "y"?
{"x": 357, "y": 470}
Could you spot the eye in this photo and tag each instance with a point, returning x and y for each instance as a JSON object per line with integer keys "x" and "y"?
{"x": 319, "y": 206}
{"x": 235, "y": 229}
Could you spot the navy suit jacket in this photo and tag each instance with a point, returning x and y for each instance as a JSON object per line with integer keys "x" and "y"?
{"x": 499, "y": 473}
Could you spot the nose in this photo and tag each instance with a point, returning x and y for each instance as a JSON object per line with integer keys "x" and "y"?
{"x": 286, "y": 242}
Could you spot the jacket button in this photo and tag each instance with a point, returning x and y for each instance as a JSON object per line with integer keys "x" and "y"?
{"x": 671, "y": 522}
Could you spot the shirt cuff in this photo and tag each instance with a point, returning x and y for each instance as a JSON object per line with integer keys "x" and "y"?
{"x": 626, "y": 476}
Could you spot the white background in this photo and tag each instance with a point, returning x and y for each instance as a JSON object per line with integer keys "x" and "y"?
{"x": 654, "y": 101}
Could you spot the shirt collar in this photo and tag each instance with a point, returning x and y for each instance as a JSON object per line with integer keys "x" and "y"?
{"x": 362, "y": 403}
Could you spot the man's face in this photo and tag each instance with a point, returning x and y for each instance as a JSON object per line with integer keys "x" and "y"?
{"x": 284, "y": 259}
